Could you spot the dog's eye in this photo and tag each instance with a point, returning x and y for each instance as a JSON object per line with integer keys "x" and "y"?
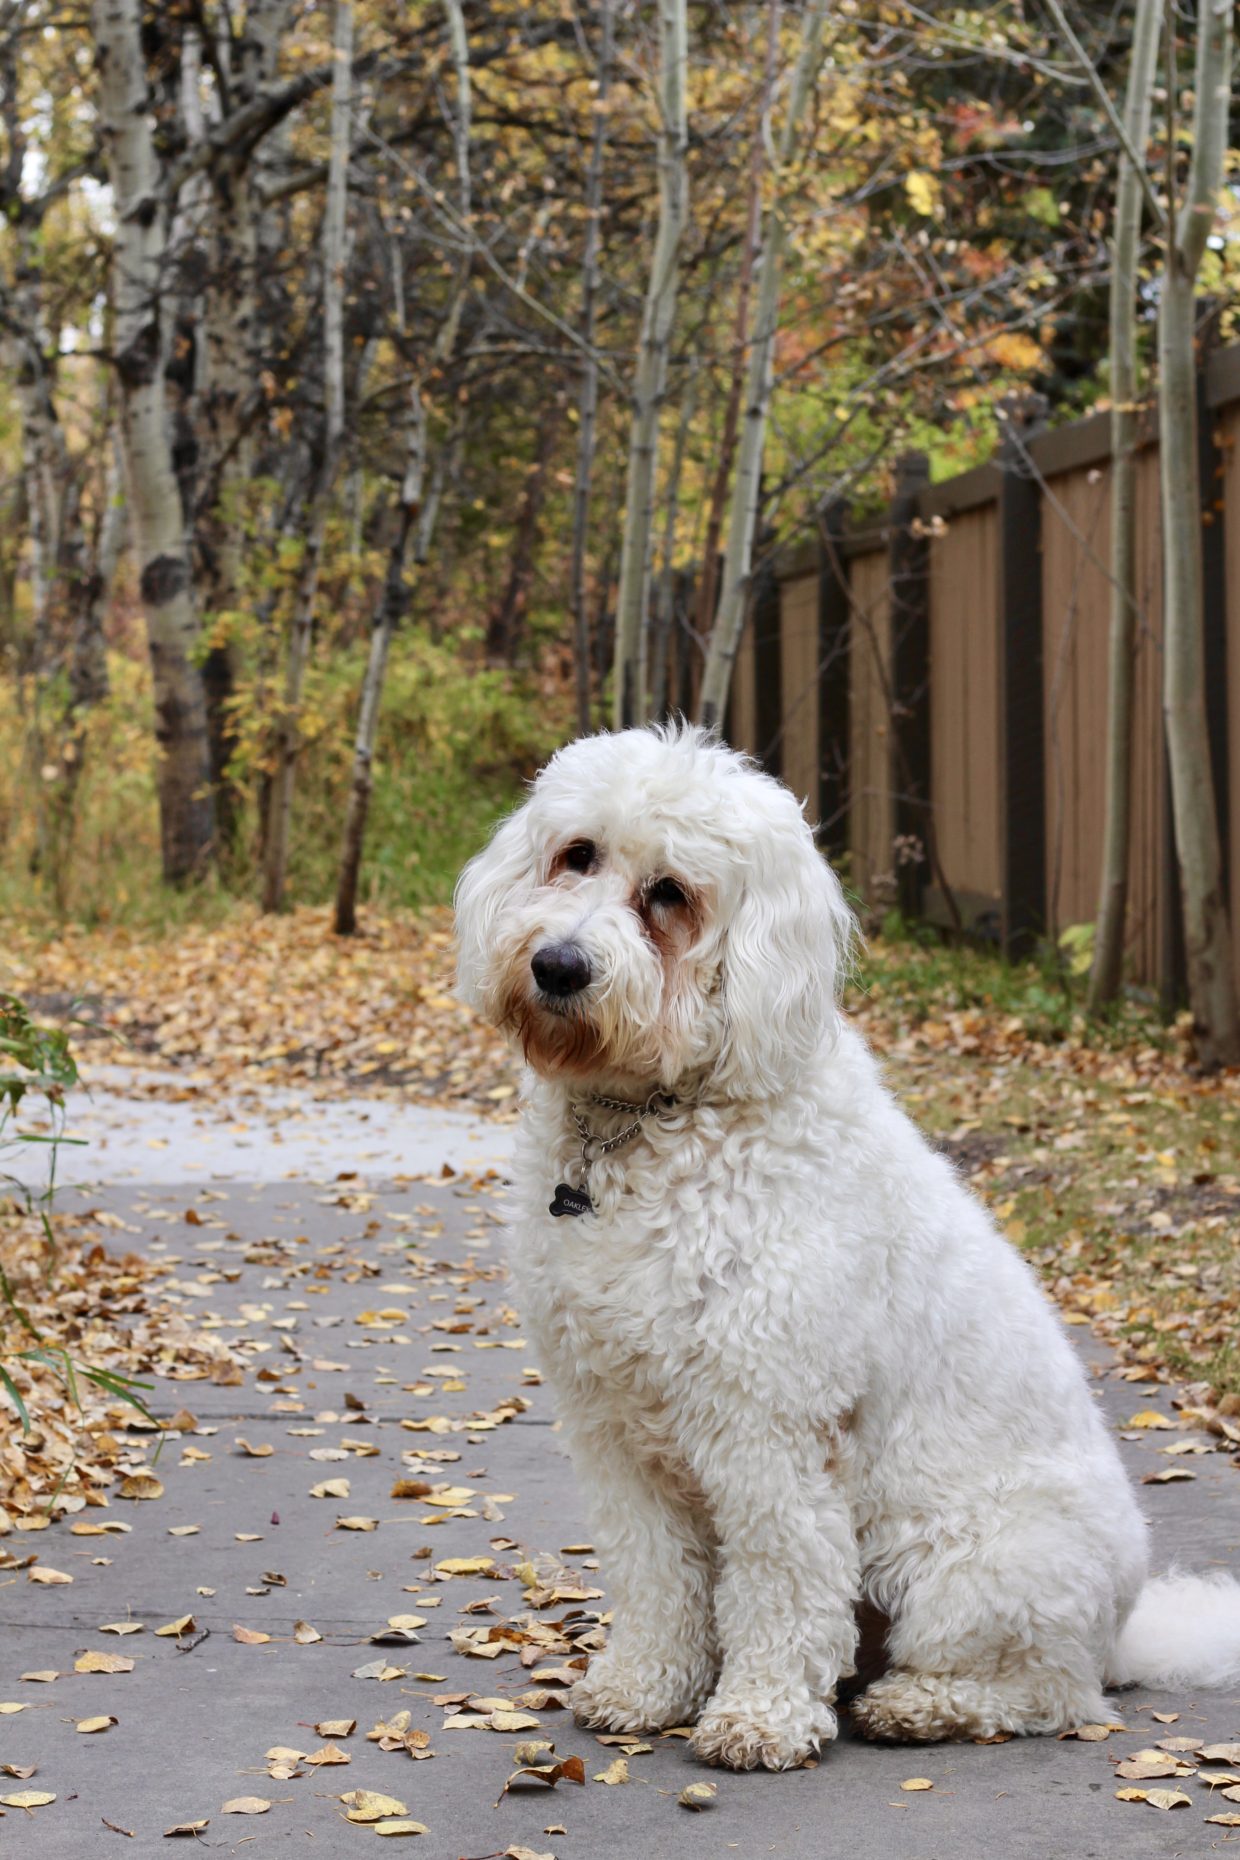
{"x": 579, "y": 857}
{"x": 666, "y": 891}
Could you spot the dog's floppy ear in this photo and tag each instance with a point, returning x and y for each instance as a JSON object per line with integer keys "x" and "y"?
{"x": 787, "y": 950}
{"x": 486, "y": 885}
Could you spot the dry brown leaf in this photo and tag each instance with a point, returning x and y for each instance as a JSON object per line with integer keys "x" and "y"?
{"x": 617, "y": 1771}
{"x": 141, "y": 1485}
{"x": 367, "y": 1805}
{"x": 547, "y": 1775}
{"x": 102, "y": 1663}
{"x": 1168, "y": 1798}
{"x": 1145, "y": 1768}
{"x": 246, "y": 1805}
{"x": 327, "y": 1756}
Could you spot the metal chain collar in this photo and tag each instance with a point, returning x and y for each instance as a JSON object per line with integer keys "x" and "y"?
{"x": 574, "y": 1198}
{"x": 593, "y": 1146}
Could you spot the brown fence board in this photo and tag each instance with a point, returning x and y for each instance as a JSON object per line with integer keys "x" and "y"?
{"x": 964, "y": 705}
{"x": 799, "y": 685}
{"x": 743, "y": 713}
{"x": 1075, "y": 626}
{"x": 1150, "y": 900}
{"x": 871, "y": 792}
{"x": 1229, "y": 440}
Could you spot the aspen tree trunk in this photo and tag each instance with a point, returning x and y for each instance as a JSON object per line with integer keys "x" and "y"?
{"x": 505, "y": 622}
{"x": 658, "y": 316}
{"x": 709, "y": 589}
{"x": 88, "y": 671}
{"x": 26, "y": 346}
{"x": 743, "y": 515}
{"x": 416, "y": 512}
{"x": 154, "y": 502}
{"x": 1107, "y": 970}
{"x": 227, "y": 397}
{"x": 89, "y": 570}
{"x": 45, "y": 459}
{"x": 1207, "y": 932}
{"x": 387, "y": 616}
{"x": 665, "y": 593}
{"x": 587, "y": 403}
{"x": 288, "y": 730}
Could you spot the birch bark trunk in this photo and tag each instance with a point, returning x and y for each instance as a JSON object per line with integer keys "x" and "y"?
{"x": 88, "y": 675}
{"x": 658, "y": 317}
{"x": 709, "y": 589}
{"x": 665, "y": 593}
{"x": 587, "y": 404}
{"x": 743, "y": 515}
{"x": 288, "y": 731}
{"x": 417, "y": 509}
{"x": 186, "y": 823}
{"x": 1207, "y": 931}
{"x": 1106, "y": 972}
{"x": 45, "y": 460}
{"x": 387, "y": 616}
{"x": 229, "y": 394}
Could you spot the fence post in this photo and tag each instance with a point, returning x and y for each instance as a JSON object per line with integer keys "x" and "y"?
{"x": 768, "y": 658}
{"x": 834, "y": 673}
{"x": 1214, "y": 602}
{"x": 1022, "y": 811}
{"x": 908, "y": 557}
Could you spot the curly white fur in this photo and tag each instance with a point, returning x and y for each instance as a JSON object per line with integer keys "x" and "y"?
{"x": 796, "y": 1363}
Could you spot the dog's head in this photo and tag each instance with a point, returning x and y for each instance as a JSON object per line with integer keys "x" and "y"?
{"x": 656, "y": 913}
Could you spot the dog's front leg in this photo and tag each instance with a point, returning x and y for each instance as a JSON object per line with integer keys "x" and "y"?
{"x": 784, "y": 1602}
{"x": 660, "y": 1662}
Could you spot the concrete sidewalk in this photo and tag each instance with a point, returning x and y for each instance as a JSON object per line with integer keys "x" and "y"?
{"x": 360, "y": 1309}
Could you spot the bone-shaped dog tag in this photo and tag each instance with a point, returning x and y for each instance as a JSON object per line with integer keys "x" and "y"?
{"x": 570, "y": 1200}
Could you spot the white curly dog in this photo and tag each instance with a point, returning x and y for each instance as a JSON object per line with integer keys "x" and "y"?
{"x": 796, "y": 1364}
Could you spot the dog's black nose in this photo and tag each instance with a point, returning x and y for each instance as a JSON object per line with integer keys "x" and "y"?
{"x": 561, "y": 968}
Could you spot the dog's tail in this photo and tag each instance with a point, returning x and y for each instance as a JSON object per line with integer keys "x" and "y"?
{"x": 1183, "y": 1632}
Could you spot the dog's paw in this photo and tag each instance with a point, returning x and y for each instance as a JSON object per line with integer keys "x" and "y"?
{"x": 739, "y": 1739}
{"x": 613, "y": 1696}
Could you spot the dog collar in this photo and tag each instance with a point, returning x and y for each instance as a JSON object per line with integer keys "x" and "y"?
{"x": 574, "y": 1198}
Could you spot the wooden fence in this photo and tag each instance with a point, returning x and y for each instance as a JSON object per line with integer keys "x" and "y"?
{"x": 934, "y": 683}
